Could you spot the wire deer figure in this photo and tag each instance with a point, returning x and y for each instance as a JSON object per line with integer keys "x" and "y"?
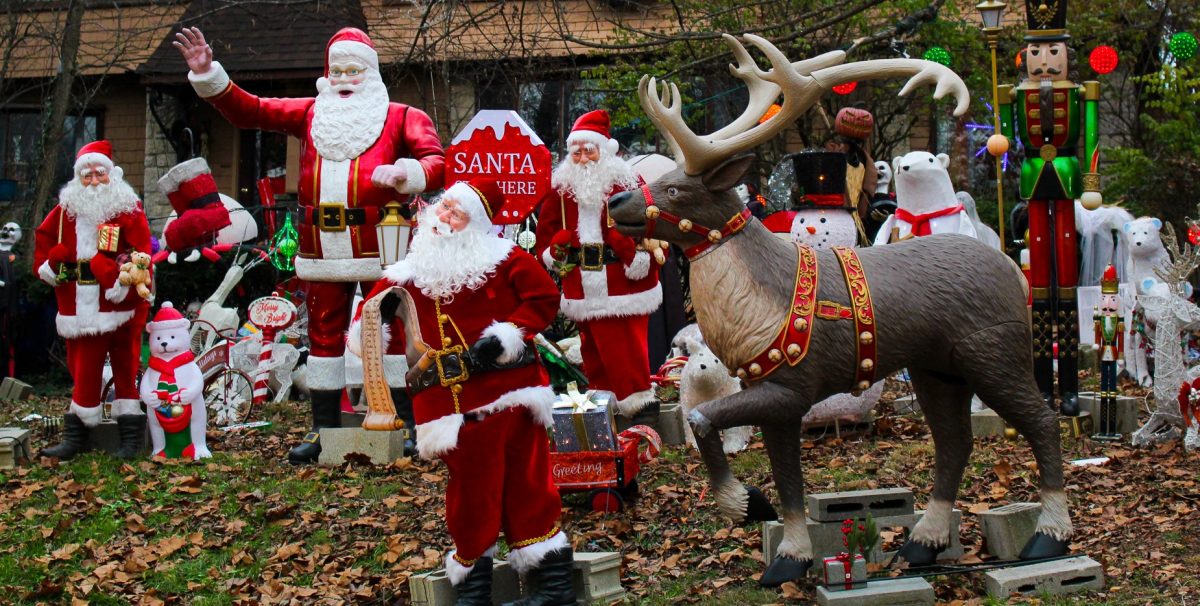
{"x": 949, "y": 308}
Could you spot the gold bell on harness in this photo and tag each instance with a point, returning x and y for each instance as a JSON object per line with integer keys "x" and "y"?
{"x": 652, "y": 212}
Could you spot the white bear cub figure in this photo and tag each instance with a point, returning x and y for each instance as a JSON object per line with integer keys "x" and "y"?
{"x": 705, "y": 379}
{"x": 173, "y": 389}
{"x": 925, "y": 200}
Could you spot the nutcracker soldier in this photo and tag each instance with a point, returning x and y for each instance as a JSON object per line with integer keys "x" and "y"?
{"x": 1110, "y": 338}
{"x": 1050, "y": 113}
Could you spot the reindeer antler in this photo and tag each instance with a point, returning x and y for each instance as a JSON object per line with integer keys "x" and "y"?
{"x": 801, "y": 83}
{"x": 1185, "y": 258}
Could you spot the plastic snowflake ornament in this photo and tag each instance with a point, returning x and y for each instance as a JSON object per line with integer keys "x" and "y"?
{"x": 1103, "y": 59}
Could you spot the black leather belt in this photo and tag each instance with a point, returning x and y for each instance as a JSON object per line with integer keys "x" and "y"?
{"x": 335, "y": 217}
{"x": 592, "y": 257}
{"x": 78, "y": 272}
{"x": 456, "y": 365}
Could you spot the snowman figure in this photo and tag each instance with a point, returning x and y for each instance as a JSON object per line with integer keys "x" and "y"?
{"x": 820, "y": 216}
{"x": 173, "y": 389}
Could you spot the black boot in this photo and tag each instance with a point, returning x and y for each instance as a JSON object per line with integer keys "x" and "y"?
{"x": 75, "y": 439}
{"x": 476, "y": 589}
{"x": 1043, "y": 353}
{"x": 1068, "y": 352}
{"x": 132, "y": 429}
{"x": 326, "y": 412}
{"x": 404, "y": 410}
{"x": 551, "y": 581}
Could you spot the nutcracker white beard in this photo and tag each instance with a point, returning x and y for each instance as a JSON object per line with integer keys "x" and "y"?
{"x": 95, "y": 204}
{"x": 590, "y": 183}
{"x": 443, "y": 262}
{"x": 343, "y": 128}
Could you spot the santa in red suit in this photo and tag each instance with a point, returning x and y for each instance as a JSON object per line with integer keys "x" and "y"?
{"x": 78, "y": 250}
{"x": 609, "y": 287}
{"x": 358, "y": 151}
{"x": 481, "y": 299}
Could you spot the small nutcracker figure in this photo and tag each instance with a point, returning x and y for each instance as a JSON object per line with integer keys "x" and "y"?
{"x": 1050, "y": 113}
{"x": 1110, "y": 338}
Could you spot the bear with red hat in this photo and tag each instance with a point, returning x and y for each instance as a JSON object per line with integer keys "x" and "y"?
{"x": 484, "y": 408}
{"x": 358, "y": 152}
{"x": 78, "y": 250}
{"x": 609, "y": 286}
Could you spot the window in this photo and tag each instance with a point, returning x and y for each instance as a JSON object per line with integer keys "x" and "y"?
{"x": 20, "y": 135}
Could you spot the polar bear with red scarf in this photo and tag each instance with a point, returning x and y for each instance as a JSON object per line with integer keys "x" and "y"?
{"x": 925, "y": 200}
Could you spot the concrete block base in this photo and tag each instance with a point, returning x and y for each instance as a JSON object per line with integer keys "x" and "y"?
{"x": 839, "y": 506}
{"x": 897, "y": 592}
{"x": 1058, "y": 577}
{"x": 352, "y": 419}
{"x": 986, "y": 423}
{"x": 826, "y": 537}
{"x": 434, "y": 588}
{"x": 668, "y": 422}
{"x": 1127, "y": 411}
{"x": 106, "y": 437}
{"x": 14, "y": 389}
{"x": 597, "y": 578}
{"x": 906, "y": 405}
{"x": 1006, "y": 529}
{"x": 15, "y": 447}
{"x": 381, "y": 447}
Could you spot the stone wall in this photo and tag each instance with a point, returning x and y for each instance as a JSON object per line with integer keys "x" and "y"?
{"x": 159, "y": 158}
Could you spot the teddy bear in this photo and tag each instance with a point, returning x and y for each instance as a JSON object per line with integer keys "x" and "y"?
{"x": 136, "y": 271}
{"x": 705, "y": 379}
{"x": 925, "y": 200}
{"x": 173, "y": 389}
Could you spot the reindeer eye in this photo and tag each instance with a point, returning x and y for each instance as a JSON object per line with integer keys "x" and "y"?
{"x": 672, "y": 192}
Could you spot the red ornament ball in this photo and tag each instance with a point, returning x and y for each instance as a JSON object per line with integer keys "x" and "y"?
{"x": 1103, "y": 59}
{"x": 1194, "y": 234}
{"x": 845, "y": 89}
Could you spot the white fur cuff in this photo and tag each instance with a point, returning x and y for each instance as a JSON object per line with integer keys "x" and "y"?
{"x": 126, "y": 407}
{"x": 326, "y": 373}
{"x": 512, "y": 339}
{"x": 210, "y": 83}
{"x": 439, "y": 436}
{"x": 90, "y": 415}
{"x": 635, "y": 402}
{"x": 640, "y": 266}
{"x": 46, "y": 274}
{"x": 116, "y": 293}
{"x": 547, "y": 260}
{"x": 456, "y": 572}
{"x": 529, "y": 557}
{"x": 416, "y": 181}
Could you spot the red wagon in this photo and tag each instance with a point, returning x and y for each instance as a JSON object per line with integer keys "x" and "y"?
{"x": 608, "y": 476}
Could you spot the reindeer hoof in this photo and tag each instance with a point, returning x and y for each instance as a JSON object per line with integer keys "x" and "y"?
{"x": 919, "y": 554}
{"x": 758, "y": 507}
{"x": 701, "y": 426}
{"x": 784, "y": 569}
{"x": 1043, "y": 546}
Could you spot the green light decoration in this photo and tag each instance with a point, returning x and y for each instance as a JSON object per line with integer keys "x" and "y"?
{"x": 284, "y": 245}
{"x": 1183, "y": 45}
{"x": 938, "y": 54}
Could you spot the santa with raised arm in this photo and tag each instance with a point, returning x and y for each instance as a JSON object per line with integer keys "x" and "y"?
{"x": 358, "y": 151}
{"x": 78, "y": 250}
{"x": 609, "y": 286}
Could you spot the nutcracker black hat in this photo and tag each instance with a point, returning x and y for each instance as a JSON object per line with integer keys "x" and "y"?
{"x": 1047, "y": 21}
{"x": 820, "y": 179}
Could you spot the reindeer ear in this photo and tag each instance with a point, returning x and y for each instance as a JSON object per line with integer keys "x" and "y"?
{"x": 727, "y": 174}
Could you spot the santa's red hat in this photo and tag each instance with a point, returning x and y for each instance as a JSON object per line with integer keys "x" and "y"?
{"x": 96, "y": 152}
{"x": 167, "y": 318}
{"x": 481, "y": 197}
{"x": 351, "y": 42}
{"x": 593, "y": 127}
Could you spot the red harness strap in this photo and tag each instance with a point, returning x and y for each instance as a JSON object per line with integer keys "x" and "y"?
{"x": 864, "y": 316}
{"x": 713, "y": 236}
{"x": 791, "y": 345}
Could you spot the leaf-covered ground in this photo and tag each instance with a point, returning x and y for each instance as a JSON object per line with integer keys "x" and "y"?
{"x": 245, "y": 527}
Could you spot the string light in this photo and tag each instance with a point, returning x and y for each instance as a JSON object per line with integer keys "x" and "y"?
{"x": 938, "y": 54}
{"x": 1103, "y": 59}
{"x": 845, "y": 89}
{"x": 1183, "y": 45}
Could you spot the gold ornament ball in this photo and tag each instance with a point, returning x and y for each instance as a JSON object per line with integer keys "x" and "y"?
{"x": 176, "y": 411}
{"x": 997, "y": 145}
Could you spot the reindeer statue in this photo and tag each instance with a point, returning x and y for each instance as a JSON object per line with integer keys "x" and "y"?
{"x": 949, "y": 308}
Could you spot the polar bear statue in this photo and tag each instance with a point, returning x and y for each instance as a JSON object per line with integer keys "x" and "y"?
{"x": 925, "y": 200}
{"x": 705, "y": 379}
{"x": 173, "y": 389}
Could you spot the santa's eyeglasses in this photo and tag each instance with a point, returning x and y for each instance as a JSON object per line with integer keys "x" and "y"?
{"x": 89, "y": 176}
{"x": 581, "y": 149}
{"x": 350, "y": 72}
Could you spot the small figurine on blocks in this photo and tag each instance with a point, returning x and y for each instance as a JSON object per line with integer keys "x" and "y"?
{"x": 1110, "y": 338}
{"x": 173, "y": 389}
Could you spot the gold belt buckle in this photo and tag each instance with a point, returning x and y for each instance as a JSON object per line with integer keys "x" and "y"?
{"x": 79, "y": 265}
{"x": 598, "y": 247}
{"x": 463, "y": 374}
{"x": 331, "y": 216}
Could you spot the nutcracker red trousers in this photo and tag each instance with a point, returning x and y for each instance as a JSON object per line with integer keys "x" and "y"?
{"x": 122, "y": 347}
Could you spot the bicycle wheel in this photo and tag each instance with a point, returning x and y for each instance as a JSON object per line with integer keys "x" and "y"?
{"x": 229, "y": 396}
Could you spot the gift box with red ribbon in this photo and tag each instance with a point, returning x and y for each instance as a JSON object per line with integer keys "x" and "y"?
{"x": 844, "y": 571}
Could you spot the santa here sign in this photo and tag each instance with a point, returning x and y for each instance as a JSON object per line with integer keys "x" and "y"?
{"x": 498, "y": 144}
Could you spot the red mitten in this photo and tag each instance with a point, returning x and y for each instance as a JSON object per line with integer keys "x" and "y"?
{"x": 196, "y": 227}
{"x": 105, "y": 269}
{"x": 561, "y": 241}
{"x": 623, "y": 246}
{"x": 59, "y": 254}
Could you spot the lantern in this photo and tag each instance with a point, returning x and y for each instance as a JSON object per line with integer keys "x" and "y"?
{"x": 845, "y": 89}
{"x": 938, "y": 54}
{"x": 1103, "y": 59}
{"x": 392, "y": 232}
{"x": 990, "y": 12}
{"x": 1183, "y": 46}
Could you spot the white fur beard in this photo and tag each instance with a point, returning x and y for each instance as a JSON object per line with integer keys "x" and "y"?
{"x": 443, "y": 264}
{"x": 97, "y": 203}
{"x": 342, "y": 129}
{"x": 590, "y": 183}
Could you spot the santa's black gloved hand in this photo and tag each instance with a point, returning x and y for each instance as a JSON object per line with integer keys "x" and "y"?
{"x": 486, "y": 351}
{"x": 388, "y": 307}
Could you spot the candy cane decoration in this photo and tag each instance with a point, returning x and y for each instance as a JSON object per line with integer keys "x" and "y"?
{"x": 262, "y": 374}
{"x": 271, "y": 314}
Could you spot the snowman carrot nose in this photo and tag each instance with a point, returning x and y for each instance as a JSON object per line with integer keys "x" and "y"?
{"x": 812, "y": 230}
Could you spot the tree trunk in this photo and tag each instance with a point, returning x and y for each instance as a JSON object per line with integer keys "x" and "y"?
{"x": 55, "y": 113}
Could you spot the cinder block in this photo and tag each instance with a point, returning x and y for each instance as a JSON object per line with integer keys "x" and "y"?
{"x": 381, "y": 447}
{"x": 856, "y": 504}
{"x": 1057, "y": 577}
{"x": 1006, "y": 529}
{"x": 106, "y": 437}
{"x": 352, "y": 419}
{"x": 906, "y": 405}
{"x": 15, "y": 447}
{"x": 597, "y": 577}
{"x": 670, "y": 424}
{"x": 890, "y": 592}
{"x": 434, "y": 588}
{"x": 986, "y": 423}
{"x": 826, "y": 537}
{"x": 14, "y": 389}
{"x": 1127, "y": 411}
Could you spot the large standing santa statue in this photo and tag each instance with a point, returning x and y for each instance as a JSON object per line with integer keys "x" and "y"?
{"x": 358, "y": 152}
{"x": 77, "y": 250}
{"x": 609, "y": 287}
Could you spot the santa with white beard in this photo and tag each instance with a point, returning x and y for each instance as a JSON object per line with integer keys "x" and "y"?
{"x": 485, "y": 406}
{"x": 609, "y": 287}
{"x": 358, "y": 151}
{"x": 78, "y": 250}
